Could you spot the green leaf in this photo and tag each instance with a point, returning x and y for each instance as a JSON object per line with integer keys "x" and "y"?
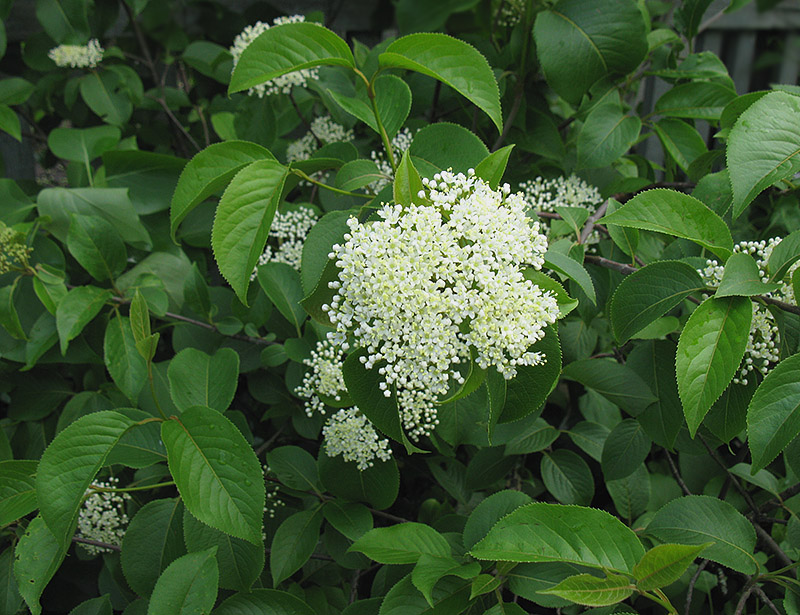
{"x": 287, "y": 48}
{"x": 444, "y": 146}
{"x": 37, "y": 557}
{"x": 773, "y": 416}
{"x": 625, "y": 448}
{"x": 240, "y": 563}
{"x": 492, "y": 168}
{"x": 139, "y": 318}
{"x": 698, "y": 519}
{"x": 676, "y": 214}
{"x": 450, "y": 595}
{"x": 328, "y": 230}
{"x": 216, "y": 471}
{"x": 282, "y": 285}
{"x": 243, "y": 220}
{"x": 112, "y": 204}
{"x": 94, "y": 606}
{"x": 429, "y": 569}
{"x": 606, "y": 135}
{"x": 17, "y": 490}
{"x": 9, "y": 122}
{"x": 529, "y": 580}
{"x": 199, "y": 379}
{"x": 69, "y": 465}
{"x": 421, "y": 16}
{"x": 572, "y": 269}
{"x": 742, "y": 278}
{"x": 127, "y": 367}
{"x": 538, "y": 437}
{"x": 701, "y": 100}
{"x": 763, "y": 147}
{"x": 710, "y": 350}
{"x": 567, "y": 477}
{"x": 393, "y": 99}
{"x": 631, "y": 495}
{"x": 627, "y": 239}
{"x": 451, "y": 61}
{"x": 407, "y": 183}
{"x": 264, "y": 602}
{"x": 357, "y": 174}
{"x": 648, "y": 294}
{"x": 15, "y": 91}
{"x": 149, "y": 177}
{"x": 187, "y": 586}
{"x": 101, "y": 93}
{"x": 293, "y": 543}
{"x": 82, "y": 144}
{"x": 689, "y": 15}
{"x": 76, "y": 310}
{"x": 664, "y": 564}
{"x": 590, "y": 590}
{"x": 403, "y": 543}
{"x": 208, "y": 172}
{"x": 728, "y": 416}
{"x": 784, "y": 255}
{"x": 489, "y": 512}
{"x": 10, "y": 598}
{"x": 541, "y": 532}
{"x": 152, "y": 541}
{"x": 9, "y": 317}
{"x": 294, "y": 467}
{"x": 64, "y": 21}
{"x": 589, "y": 437}
{"x": 378, "y": 486}
{"x": 680, "y": 140}
{"x": 578, "y": 43}
{"x": 350, "y": 519}
{"x": 616, "y": 382}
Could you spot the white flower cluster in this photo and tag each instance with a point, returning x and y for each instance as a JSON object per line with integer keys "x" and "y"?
{"x": 400, "y": 143}
{"x": 273, "y": 502}
{"x": 278, "y": 85}
{"x": 323, "y": 131}
{"x": 350, "y": 434}
{"x": 289, "y": 231}
{"x": 102, "y": 516}
{"x": 430, "y": 283}
{"x": 511, "y": 12}
{"x": 547, "y": 194}
{"x": 77, "y": 56}
{"x": 763, "y": 342}
{"x": 347, "y": 432}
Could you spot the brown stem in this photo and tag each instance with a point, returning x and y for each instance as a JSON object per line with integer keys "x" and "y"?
{"x": 96, "y": 543}
{"x": 749, "y": 588}
{"x": 609, "y": 264}
{"x": 589, "y": 226}
{"x": 786, "y": 307}
{"x": 676, "y": 474}
{"x": 766, "y": 600}
{"x": 692, "y": 583}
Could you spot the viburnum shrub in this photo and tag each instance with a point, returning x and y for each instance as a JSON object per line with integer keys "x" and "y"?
{"x": 294, "y": 325}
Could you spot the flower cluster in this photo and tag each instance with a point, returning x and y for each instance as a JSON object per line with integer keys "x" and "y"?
{"x": 763, "y": 342}
{"x": 400, "y": 143}
{"x": 273, "y": 501}
{"x": 323, "y": 130}
{"x": 430, "y": 283}
{"x": 347, "y": 432}
{"x": 102, "y": 517}
{"x": 511, "y": 12}
{"x": 278, "y": 85}
{"x": 547, "y": 194}
{"x": 13, "y": 251}
{"x": 288, "y": 231}
{"x": 77, "y": 56}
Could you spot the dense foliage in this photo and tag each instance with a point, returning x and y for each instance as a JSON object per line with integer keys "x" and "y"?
{"x": 295, "y": 325}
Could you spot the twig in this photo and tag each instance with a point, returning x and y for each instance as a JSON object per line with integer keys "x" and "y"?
{"x": 96, "y": 543}
{"x": 734, "y": 481}
{"x": 354, "y": 586}
{"x": 512, "y": 115}
{"x": 267, "y": 443}
{"x": 589, "y": 226}
{"x": 770, "y": 543}
{"x": 326, "y": 558}
{"x": 786, "y": 307}
{"x": 782, "y": 496}
{"x": 749, "y": 588}
{"x": 692, "y": 583}
{"x": 609, "y": 264}
{"x": 677, "y": 475}
{"x": 766, "y": 600}
{"x": 303, "y": 119}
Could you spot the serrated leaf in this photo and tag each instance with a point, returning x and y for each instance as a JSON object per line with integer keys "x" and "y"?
{"x": 199, "y": 379}
{"x": 572, "y": 269}
{"x": 689, "y": 15}
{"x": 37, "y": 557}
{"x": 606, "y": 135}
{"x": 710, "y": 350}
{"x": 702, "y": 100}
{"x": 567, "y": 477}
{"x": 69, "y": 465}
{"x": 783, "y": 256}
{"x": 127, "y": 367}
{"x": 208, "y": 172}
{"x": 541, "y": 532}
{"x": 378, "y": 486}
{"x": 152, "y": 541}
{"x": 82, "y": 144}
{"x": 243, "y": 219}
{"x": 139, "y": 318}
{"x": 539, "y": 436}
{"x": 676, "y": 214}
{"x": 698, "y": 519}
{"x": 293, "y": 543}
{"x": 763, "y": 147}
{"x": 648, "y": 294}
{"x": 625, "y": 448}
{"x": 216, "y": 472}
{"x": 489, "y": 512}
{"x": 492, "y": 168}
{"x": 357, "y": 174}
{"x": 76, "y": 309}
{"x": 287, "y": 48}
{"x": 407, "y": 183}
{"x": 577, "y": 47}
{"x": 742, "y": 277}
{"x": 614, "y": 381}
{"x": 664, "y": 564}
{"x": 773, "y": 416}
{"x": 429, "y": 569}
{"x": 631, "y": 494}
{"x": 402, "y": 543}
{"x": 282, "y": 285}
{"x": 264, "y": 602}
{"x": 187, "y": 586}
{"x": 17, "y": 490}
{"x": 680, "y": 140}
{"x": 294, "y": 467}
{"x": 590, "y": 590}
{"x": 450, "y": 595}
{"x": 451, "y": 61}
{"x": 350, "y": 519}
{"x": 10, "y": 598}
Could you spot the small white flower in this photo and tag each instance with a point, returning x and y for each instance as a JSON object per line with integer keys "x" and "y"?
{"x": 350, "y": 434}
{"x": 102, "y": 516}
{"x": 323, "y": 130}
{"x": 547, "y": 194}
{"x": 325, "y": 377}
{"x": 278, "y": 85}
{"x": 511, "y": 12}
{"x": 430, "y": 283}
{"x": 400, "y": 144}
{"x": 288, "y": 233}
{"x": 77, "y": 56}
